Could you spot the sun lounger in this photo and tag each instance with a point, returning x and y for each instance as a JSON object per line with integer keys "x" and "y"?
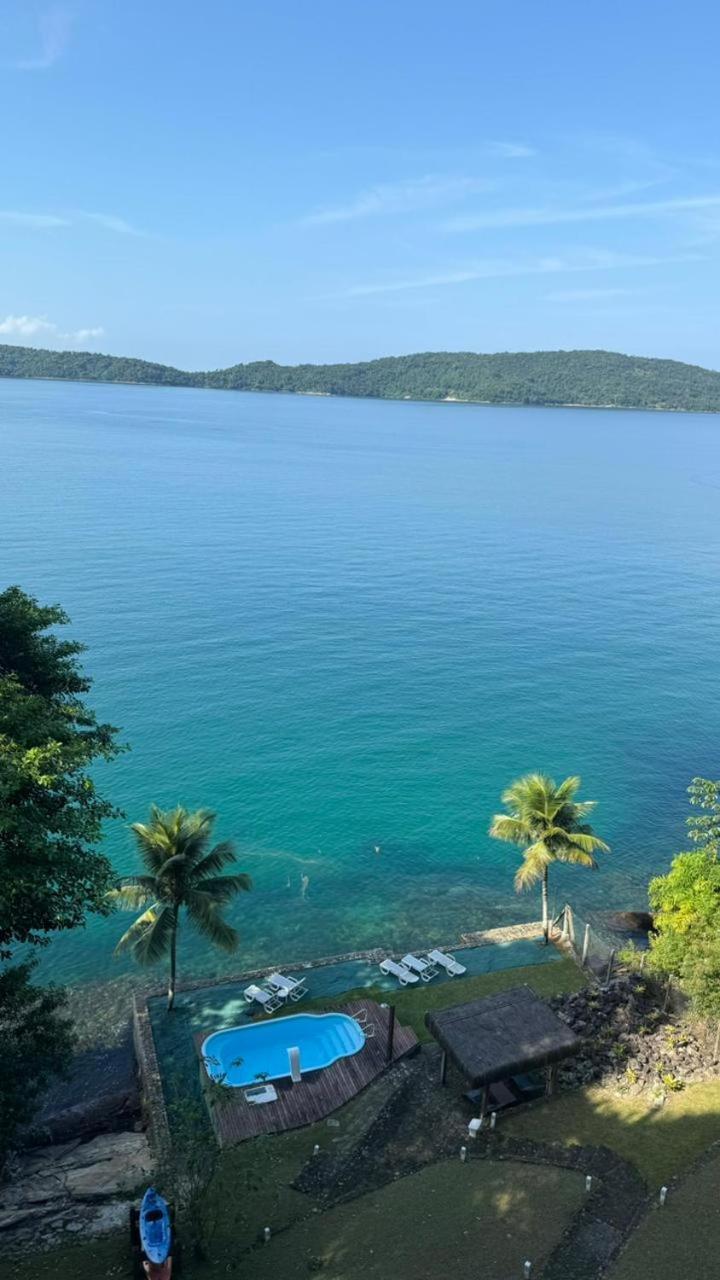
{"x": 260, "y": 1094}
{"x": 404, "y": 975}
{"x": 448, "y": 963}
{"x": 423, "y": 968}
{"x": 268, "y": 1000}
{"x": 287, "y": 988}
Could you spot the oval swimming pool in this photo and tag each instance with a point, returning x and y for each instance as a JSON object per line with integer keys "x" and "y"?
{"x": 243, "y": 1056}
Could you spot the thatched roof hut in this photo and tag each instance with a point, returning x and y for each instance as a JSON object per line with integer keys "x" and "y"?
{"x": 500, "y": 1036}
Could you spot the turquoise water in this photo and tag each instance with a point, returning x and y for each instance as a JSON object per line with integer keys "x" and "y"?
{"x": 346, "y": 625}
{"x": 244, "y": 1055}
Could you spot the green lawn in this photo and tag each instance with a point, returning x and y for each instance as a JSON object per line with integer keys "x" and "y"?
{"x": 412, "y": 1003}
{"x": 681, "y": 1239}
{"x": 463, "y": 1220}
{"x": 660, "y": 1142}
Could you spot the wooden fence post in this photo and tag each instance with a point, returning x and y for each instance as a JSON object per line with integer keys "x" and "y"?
{"x": 586, "y": 945}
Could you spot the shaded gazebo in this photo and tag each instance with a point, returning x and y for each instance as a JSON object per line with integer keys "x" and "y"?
{"x": 497, "y": 1037}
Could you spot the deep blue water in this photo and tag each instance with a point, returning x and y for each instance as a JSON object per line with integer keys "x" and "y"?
{"x": 346, "y": 624}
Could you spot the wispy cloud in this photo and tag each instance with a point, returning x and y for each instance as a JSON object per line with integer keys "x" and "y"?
{"x": 511, "y": 150}
{"x": 408, "y": 196}
{"x": 110, "y": 222}
{"x": 587, "y": 295}
{"x": 53, "y": 36}
{"x": 35, "y": 221}
{"x": 541, "y": 217}
{"x": 49, "y": 221}
{"x": 495, "y": 268}
{"x": 26, "y": 326}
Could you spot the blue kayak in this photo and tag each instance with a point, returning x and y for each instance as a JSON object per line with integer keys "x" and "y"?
{"x": 155, "y": 1229}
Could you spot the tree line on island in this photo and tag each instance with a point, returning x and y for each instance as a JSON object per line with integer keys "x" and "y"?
{"x": 53, "y": 874}
{"x": 585, "y": 378}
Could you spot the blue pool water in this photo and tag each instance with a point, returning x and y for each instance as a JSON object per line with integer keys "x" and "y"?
{"x": 247, "y": 1055}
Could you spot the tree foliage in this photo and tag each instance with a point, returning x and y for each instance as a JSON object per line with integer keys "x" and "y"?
{"x": 182, "y": 872}
{"x": 36, "y": 1043}
{"x": 535, "y": 377}
{"x": 51, "y": 813}
{"x": 546, "y": 821}
{"x": 686, "y": 905}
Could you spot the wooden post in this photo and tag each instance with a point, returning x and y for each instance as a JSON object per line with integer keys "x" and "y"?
{"x": 643, "y": 958}
{"x": 390, "y": 1034}
{"x": 483, "y": 1102}
{"x": 717, "y": 1043}
{"x": 586, "y": 945}
{"x": 564, "y": 930}
{"x": 611, "y": 962}
{"x": 443, "y": 1067}
{"x": 571, "y": 924}
{"x": 550, "y": 1077}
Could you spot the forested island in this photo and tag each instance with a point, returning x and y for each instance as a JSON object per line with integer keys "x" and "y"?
{"x": 583, "y": 378}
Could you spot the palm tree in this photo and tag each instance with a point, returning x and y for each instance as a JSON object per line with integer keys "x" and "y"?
{"x": 182, "y": 872}
{"x": 547, "y": 823}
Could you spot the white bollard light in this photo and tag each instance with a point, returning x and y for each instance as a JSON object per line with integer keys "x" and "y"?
{"x": 474, "y": 1127}
{"x": 588, "y": 1182}
{"x": 266, "y": 1235}
{"x": 316, "y": 1149}
{"x": 663, "y": 1195}
{"x": 463, "y": 1153}
{"x": 493, "y": 1118}
{"x": 527, "y": 1270}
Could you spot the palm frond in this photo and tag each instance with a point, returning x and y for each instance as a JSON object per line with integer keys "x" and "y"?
{"x": 221, "y": 856}
{"x": 224, "y": 888}
{"x": 511, "y": 830}
{"x": 134, "y": 892}
{"x": 205, "y": 913}
{"x": 149, "y": 935}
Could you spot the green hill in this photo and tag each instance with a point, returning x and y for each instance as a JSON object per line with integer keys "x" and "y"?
{"x": 539, "y": 377}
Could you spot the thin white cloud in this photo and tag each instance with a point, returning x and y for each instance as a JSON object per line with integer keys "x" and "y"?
{"x": 111, "y": 222}
{"x": 401, "y": 197}
{"x": 48, "y": 221}
{"x": 507, "y": 218}
{"x": 53, "y": 36}
{"x": 24, "y": 326}
{"x": 586, "y": 295}
{"x": 496, "y": 268}
{"x": 511, "y": 150}
{"x": 35, "y": 221}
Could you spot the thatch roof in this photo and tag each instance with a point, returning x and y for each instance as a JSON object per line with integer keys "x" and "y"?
{"x": 500, "y": 1036}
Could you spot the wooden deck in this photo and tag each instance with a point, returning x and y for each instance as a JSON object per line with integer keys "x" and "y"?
{"x": 320, "y": 1092}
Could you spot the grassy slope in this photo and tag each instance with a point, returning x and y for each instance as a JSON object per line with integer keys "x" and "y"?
{"x": 660, "y": 1142}
{"x": 451, "y": 1219}
{"x": 683, "y": 1238}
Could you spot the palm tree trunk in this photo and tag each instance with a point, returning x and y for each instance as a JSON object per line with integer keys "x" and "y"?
{"x": 173, "y": 961}
{"x": 545, "y": 921}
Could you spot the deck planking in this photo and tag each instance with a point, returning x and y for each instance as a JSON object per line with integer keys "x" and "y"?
{"x": 320, "y": 1092}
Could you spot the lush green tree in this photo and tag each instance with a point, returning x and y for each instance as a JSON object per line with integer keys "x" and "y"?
{"x": 36, "y": 1044}
{"x": 686, "y": 907}
{"x": 51, "y": 813}
{"x": 182, "y": 872}
{"x": 546, "y": 821}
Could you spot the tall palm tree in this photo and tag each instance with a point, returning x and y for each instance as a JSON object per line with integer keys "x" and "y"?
{"x": 547, "y": 822}
{"x": 181, "y": 872}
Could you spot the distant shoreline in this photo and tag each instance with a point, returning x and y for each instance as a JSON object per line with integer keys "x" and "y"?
{"x": 333, "y": 395}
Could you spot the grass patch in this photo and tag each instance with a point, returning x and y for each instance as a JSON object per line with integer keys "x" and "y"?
{"x": 660, "y": 1142}
{"x": 412, "y": 1003}
{"x": 449, "y": 1219}
{"x": 683, "y": 1238}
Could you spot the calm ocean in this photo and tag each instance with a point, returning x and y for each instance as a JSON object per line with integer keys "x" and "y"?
{"x": 346, "y": 625}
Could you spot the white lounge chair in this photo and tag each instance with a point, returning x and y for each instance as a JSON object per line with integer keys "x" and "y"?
{"x": 448, "y": 963}
{"x": 268, "y": 1000}
{"x": 404, "y": 975}
{"x": 423, "y": 968}
{"x": 287, "y": 988}
{"x": 260, "y": 1094}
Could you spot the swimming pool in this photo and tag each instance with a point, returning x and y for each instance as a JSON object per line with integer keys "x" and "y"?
{"x": 242, "y": 1056}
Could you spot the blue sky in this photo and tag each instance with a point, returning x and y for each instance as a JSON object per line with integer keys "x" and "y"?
{"x": 246, "y": 179}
